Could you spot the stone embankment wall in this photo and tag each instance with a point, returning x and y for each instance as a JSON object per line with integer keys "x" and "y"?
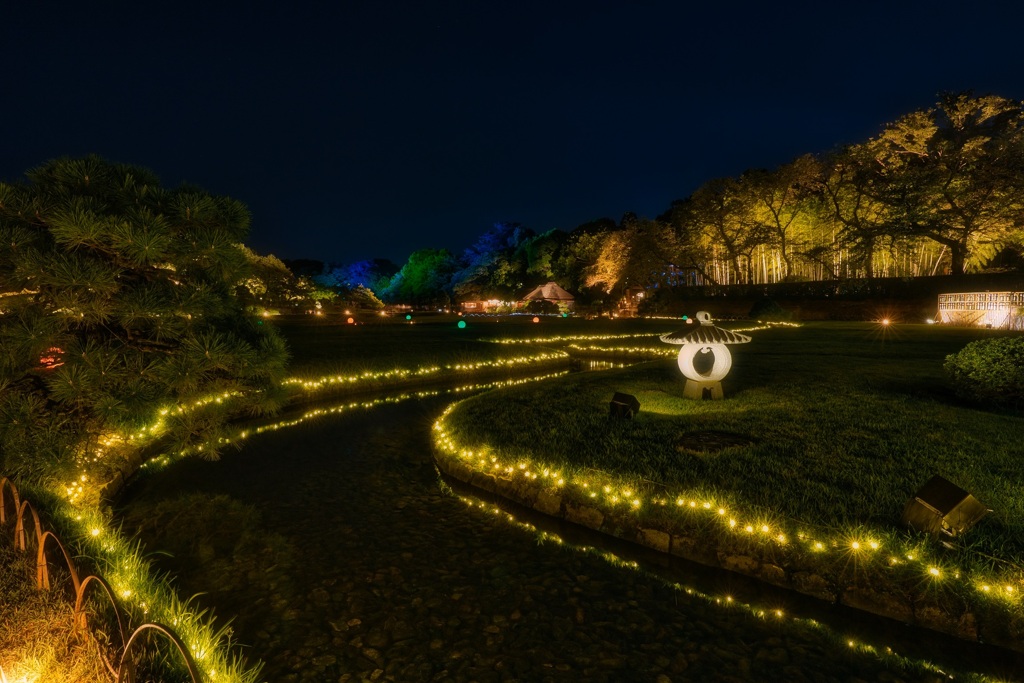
{"x": 899, "y": 596}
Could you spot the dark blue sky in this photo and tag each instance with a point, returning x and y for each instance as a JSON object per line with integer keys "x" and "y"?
{"x": 363, "y": 129}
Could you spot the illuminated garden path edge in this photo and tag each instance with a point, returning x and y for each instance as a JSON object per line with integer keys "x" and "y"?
{"x": 750, "y": 548}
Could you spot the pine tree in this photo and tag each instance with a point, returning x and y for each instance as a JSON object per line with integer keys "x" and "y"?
{"x": 118, "y": 301}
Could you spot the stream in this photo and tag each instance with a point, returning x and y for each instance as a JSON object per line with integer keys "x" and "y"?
{"x": 343, "y": 557}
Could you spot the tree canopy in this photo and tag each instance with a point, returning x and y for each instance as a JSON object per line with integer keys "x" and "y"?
{"x": 937, "y": 191}
{"x": 118, "y": 303}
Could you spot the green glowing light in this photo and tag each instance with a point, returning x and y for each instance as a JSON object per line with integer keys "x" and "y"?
{"x": 462, "y": 324}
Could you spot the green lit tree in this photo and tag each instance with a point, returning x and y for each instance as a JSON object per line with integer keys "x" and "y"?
{"x": 540, "y": 252}
{"x": 425, "y": 279}
{"x": 117, "y": 302}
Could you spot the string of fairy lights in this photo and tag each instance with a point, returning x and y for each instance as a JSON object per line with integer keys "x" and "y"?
{"x": 316, "y": 413}
{"x": 657, "y": 351}
{"x": 610, "y": 495}
{"x": 723, "y": 601}
{"x": 570, "y": 338}
{"x": 78, "y": 488}
{"x": 343, "y": 380}
{"x": 130, "y": 576}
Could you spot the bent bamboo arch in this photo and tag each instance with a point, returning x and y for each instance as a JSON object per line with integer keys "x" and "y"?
{"x": 19, "y": 527}
{"x": 126, "y": 668}
{"x": 42, "y": 568}
{"x": 126, "y": 671}
{"x": 80, "y": 617}
{"x": 6, "y": 483}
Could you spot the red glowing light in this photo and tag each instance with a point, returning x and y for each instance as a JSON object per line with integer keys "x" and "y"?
{"x": 52, "y": 358}
{"x": 536, "y": 319}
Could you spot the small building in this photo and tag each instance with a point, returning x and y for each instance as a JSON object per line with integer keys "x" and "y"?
{"x": 1000, "y": 310}
{"x": 482, "y": 305}
{"x": 629, "y": 305}
{"x": 553, "y": 293}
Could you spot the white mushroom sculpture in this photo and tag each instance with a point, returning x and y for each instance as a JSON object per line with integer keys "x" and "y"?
{"x": 705, "y": 338}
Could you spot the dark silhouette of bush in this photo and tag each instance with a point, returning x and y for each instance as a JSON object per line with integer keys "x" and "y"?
{"x": 541, "y": 307}
{"x": 769, "y": 309}
{"x": 989, "y": 371}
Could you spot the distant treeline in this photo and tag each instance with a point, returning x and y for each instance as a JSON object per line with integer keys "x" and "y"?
{"x": 939, "y": 191}
{"x": 900, "y": 299}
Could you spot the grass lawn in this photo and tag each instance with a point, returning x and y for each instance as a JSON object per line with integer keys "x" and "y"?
{"x": 325, "y": 346}
{"x": 37, "y": 638}
{"x": 833, "y": 425}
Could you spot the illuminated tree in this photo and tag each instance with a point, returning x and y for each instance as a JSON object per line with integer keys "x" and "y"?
{"x": 781, "y": 203}
{"x": 607, "y": 271}
{"x": 121, "y": 301}
{"x": 850, "y": 188}
{"x": 718, "y": 220}
{"x": 641, "y": 253}
{"x": 361, "y": 297}
{"x": 271, "y": 283}
{"x": 425, "y": 279}
{"x": 495, "y": 265}
{"x": 541, "y": 253}
{"x": 954, "y": 174}
{"x": 579, "y": 252}
{"x": 372, "y": 274}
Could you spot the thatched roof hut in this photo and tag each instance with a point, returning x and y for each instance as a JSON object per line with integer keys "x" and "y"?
{"x": 552, "y": 292}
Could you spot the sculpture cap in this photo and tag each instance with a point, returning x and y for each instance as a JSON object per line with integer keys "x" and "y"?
{"x": 707, "y": 333}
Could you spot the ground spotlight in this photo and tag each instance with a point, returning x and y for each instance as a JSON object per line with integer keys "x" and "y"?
{"x": 623, "y": 406}
{"x": 940, "y": 506}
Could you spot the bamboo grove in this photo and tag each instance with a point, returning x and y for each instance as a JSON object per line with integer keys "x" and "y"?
{"x": 938, "y": 191}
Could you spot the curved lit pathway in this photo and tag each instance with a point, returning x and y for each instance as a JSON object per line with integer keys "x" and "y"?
{"x": 362, "y": 568}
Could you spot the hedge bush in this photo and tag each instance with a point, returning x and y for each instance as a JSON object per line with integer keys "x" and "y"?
{"x": 989, "y": 371}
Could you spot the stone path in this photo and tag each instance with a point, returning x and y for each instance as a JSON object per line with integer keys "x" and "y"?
{"x": 359, "y": 568}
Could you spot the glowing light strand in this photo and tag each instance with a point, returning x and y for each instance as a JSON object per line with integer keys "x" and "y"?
{"x": 608, "y": 493}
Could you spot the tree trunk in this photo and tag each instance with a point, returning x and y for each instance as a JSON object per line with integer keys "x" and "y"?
{"x": 869, "y": 256}
{"x": 957, "y": 259}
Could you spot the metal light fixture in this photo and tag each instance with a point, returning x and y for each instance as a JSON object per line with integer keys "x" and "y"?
{"x": 623, "y": 406}
{"x": 942, "y": 507}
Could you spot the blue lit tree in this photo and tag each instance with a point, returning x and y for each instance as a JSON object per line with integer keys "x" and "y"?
{"x": 495, "y": 266}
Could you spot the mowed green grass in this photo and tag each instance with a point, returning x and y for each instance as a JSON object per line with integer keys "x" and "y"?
{"x": 322, "y": 346}
{"x": 846, "y": 422}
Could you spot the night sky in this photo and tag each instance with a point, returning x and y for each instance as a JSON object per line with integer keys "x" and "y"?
{"x": 370, "y": 129}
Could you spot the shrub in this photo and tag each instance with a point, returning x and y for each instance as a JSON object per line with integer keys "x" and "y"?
{"x": 542, "y": 307}
{"x": 989, "y": 371}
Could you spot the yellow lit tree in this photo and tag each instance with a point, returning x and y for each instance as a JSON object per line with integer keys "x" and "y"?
{"x": 954, "y": 174}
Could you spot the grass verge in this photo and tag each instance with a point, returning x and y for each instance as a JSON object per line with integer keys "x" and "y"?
{"x": 827, "y": 431}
